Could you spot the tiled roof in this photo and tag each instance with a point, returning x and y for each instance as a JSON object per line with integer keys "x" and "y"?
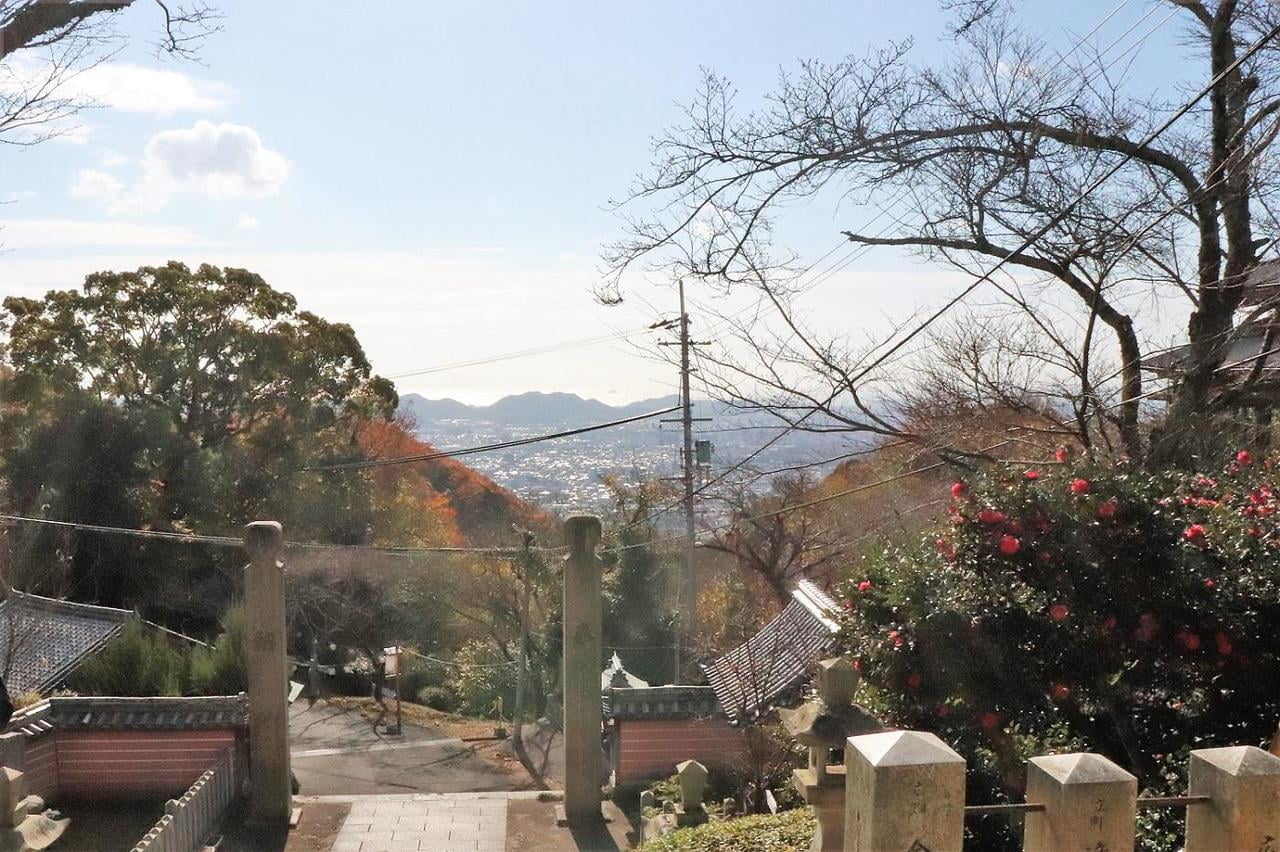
{"x": 43, "y": 640}
{"x": 749, "y": 680}
{"x": 96, "y": 713}
{"x": 615, "y": 674}
{"x": 662, "y": 702}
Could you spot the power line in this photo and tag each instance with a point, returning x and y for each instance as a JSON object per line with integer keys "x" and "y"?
{"x": 1023, "y": 246}
{"x": 807, "y": 504}
{"x": 232, "y": 541}
{"x": 485, "y": 448}
{"x": 535, "y": 350}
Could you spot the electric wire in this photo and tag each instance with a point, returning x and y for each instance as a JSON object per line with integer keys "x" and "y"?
{"x": 486, "y": 448}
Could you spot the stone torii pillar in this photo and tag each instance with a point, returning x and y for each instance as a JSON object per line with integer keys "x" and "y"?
{"x": 583, "y": 714}
{"x": 271, "y": 784}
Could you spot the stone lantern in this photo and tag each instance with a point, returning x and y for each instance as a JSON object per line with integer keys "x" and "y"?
{"x": 823, "y": 724}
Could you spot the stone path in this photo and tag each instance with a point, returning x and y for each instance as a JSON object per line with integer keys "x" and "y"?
{"x": 462, "y": 822}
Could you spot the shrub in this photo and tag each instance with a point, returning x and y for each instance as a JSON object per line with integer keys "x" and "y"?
{"x": 437, "y": 698}
{"x": 1134, "y": 614}
{"x": 484, "y": 676}
{"x": 791, "y": 831}
{"x": 139, "y": 661}
{"x": 223, "y": 668}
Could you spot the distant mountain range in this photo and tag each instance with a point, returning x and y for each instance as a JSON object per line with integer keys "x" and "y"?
{"x": 528, "y": 409}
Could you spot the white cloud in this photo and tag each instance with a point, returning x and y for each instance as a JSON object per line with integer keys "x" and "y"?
{"x": 220, "y": 161}
{"x": 247, "y": 221}
{"x": 20, "y": 234}
{"x": 136, "y": 88}
{"x": 91, "y": 185}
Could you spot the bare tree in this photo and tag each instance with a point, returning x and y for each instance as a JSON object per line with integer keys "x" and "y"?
{"x": 1010, "y": 154}
{"x": 63, "y": 39}
{"x": 775, "y": 544}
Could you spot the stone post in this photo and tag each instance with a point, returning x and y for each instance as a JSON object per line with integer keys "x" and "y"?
{"x": 1089, "y": 803}
{"x": 904, "y": 790}
{"x": 583, "y": 715}
{"x": 13, "y": 789}
{"x": 270, "y": 797}
{"x": 1244, "y": 785}
{"x": 693, "y": 784}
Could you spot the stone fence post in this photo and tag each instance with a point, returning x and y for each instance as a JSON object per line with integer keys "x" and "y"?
{"x": 583, "y": 714}
{"x": 1243, "y": 784}
{"x": 1089, "y": 803}
{"x": 271, "y": 784}
{"x": 904, "y": 791}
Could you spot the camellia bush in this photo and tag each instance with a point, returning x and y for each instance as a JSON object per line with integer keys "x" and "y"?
{"x": 1065, "y": 608}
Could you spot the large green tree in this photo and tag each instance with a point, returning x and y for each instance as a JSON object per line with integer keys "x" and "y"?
{"x": 176, "y": 399}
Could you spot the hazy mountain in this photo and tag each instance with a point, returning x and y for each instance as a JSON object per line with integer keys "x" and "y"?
{"x": 527, "y": 409}
{"x": 565, "y": 474}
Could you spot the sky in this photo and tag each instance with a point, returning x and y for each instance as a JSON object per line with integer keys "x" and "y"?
{"x": 439, "y": 175}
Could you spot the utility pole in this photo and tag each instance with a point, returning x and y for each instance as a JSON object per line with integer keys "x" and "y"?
{"x": 685, "y": 573}
{"x": 522, "y": 673}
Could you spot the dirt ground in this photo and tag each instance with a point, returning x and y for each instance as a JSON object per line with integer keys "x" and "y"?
{"x": 531, "y": 827}
{"x": 340, "y": 747}
{"x": 91, "y": 822}
{"x": 316, "y": 832}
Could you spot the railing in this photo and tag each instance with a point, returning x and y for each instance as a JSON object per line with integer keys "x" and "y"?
{"x": 905, "y": 790}
{"x": 188, "y": 821}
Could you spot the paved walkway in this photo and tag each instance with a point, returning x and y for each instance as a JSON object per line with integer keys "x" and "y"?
{"x": 462, "y": 822}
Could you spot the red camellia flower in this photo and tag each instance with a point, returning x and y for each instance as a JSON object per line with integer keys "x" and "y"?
{"x": 944, "y": 710}
{"x": 1060, "y": 692}
{"x": 1009, "y": 545}
{"x": 1032, "y": 474}
{"x": 1189, "y": 640}
{"x": 989, "y": 720}
{"x": 992, "y": 516}
{"x": 857, "y": 666}
{"x": 865, "y": 585}
{"x": 1209, "y": 583}
{"x": 915, "y": 680}
{"x": 1059, "y": 612}
{"x": 1080, "y": 487}
{"x": 1110, "y": 623}
{"x": 1061, "y": 454}
{"x": 896, "y": 638}
{"x": 959, "y": 489}
{"x": 1195, "y": 535}
{"x": 1244, "y": 457}
{"x": 1224, "y": 643}
{"x": 944, "y": 547}
{"x": 1107, "y": 509}
{"x": 848, "y": 604}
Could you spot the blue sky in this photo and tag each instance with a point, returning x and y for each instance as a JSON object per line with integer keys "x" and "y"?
{"x": 437, "y": 174}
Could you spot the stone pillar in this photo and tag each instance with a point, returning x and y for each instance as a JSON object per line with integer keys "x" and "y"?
{"x": 270, "y": 797}
{"x": 693, "y": 784}
{"x": 582, "y": 660}
{"x": 1244, "y": 785}
{"x": 904, "y": 790}
{"x": 13, "y": 789}
{"x": 1089, "y": 803}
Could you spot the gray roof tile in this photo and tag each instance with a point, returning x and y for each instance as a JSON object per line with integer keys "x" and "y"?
{"x": 43, "y": 640}
{"x": 99, "y": 713}
{"x": 749, "y": 680}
